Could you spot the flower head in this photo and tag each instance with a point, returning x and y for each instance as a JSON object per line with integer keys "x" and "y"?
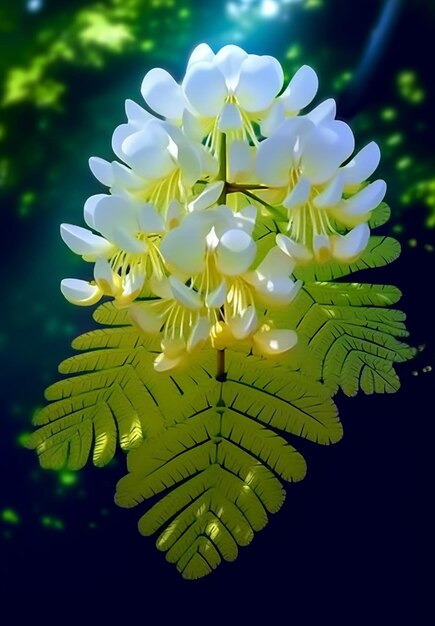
{"x": 303, "y": 161}
{"x": 177, "y": 237}
{"x": 127, "y": 254}
{"x": 214, "y": 289}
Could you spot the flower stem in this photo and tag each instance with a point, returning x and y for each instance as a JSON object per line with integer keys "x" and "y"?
{"x": 221, "y": 374}
{"x": 276, "y": 213}
{"x": 238, "y": 187}
{"x": 222, "y": 175}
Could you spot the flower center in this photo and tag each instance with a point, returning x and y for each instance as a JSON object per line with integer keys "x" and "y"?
{"x": 236, "y": 295}
{"x": 239, "y": 297}
{"x": 245, "y": 133}
{"x": 308, "y": 224}
{"x": 161, "y": 192}
{"x": 149, "y": 262}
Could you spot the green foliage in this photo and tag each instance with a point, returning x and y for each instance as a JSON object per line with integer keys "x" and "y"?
{"x": 223, "y": 462}
{"x": 380, "y": 251}
{"x": 351, "y": 336}
{"x": 380, "y": 215}
{"x": 116, "y": 396}
{"x": 212, "y": 444}
{"x": 89, "y": 37}
{"x": 209, "y": 451}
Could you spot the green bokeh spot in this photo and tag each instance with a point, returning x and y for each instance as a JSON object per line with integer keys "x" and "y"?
{"x": 67, "y": 478}
{"x": 9, "y": 516}
{"x": 52, "y": 522}
{"x": 388, "y": 114}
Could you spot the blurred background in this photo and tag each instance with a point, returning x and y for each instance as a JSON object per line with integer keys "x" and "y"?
{"x": 346, "y": 542}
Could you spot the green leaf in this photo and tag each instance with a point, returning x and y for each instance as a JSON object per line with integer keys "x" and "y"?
{"x": 219, "y": 469}
{"x": 380, "y": 215}
{"x": 350, "y": 337}
{"x": 114, "y": 395}
{"x": 354, "y": 294}
{"x": 380, "y": 251}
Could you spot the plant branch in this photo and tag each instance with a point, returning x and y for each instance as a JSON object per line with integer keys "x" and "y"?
{"x": 276, "y": 213}
{"x": 241, "y": 188}
{"x": 222, "y": 175}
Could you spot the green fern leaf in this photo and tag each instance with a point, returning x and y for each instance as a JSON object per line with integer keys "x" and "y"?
{"x": 380, "y": 215}
{"x": 114, "y": 395}
{"x": 350, "y": 337}
{"x": 222, "y": 464}
{"x": 380, "y": 251}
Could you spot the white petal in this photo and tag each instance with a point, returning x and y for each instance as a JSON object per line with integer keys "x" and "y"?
{"x": 346, "y": 140}
{"x": 106, "y": 279}
{"x": 366, "y": 199}
{"x": 131, "y": 287}
{"x": 146, "y": 316}
{"x": 173, "y": 214}
{"x": 325, "y": 149}
{"x": 229, "y": 60}
{"x": 202, "y": 52}
{"x": 102, "y": 170}
{"x": 199, "y": 334}
{"x": 165, "y": 130}
{"x": 80, "y": 292}
{"x": 273, "y": 120}
{"x": 235, "y": 253}
{"x": 199, "y": 223}
{"x": 210, "y": 164}
{"x": 150, "y": 221}
{"x": 295, "y": 250}
{"x": 205, "y": 88}
{"x": 127, "y": 241}
{"x": 160, "y": 287}
{"x": 246, "y": 218}
{"x": 212, "y": 240}
{"x": 274, "y": 160}
{"x": 278, "y": 290}
{"x": 276, "y": 341}
{"x": 184, "y": 295}
{"x": 243, "y": 325}
{"x": 332, "y": 194}
{"x": 298, "y": 195}
{"x": 123, "y": 176}
{"x": 276, "y": 262}
{"x": 136, "y": 114}
{"x": 189, "y": 162}
{"x": 163, "y": 363}
{"x": 362, "y": 165}
{"x": 89, "y": 208}
{"x": 348, "y": 247}
{"x": 195, "y": 127}
{"x": 163, "y": 94}
{"x": 261, "y": 78}
{"x": 82, "y": 241}
{"x": 173, "y": 347}
{"x": 207, "y": 197}
{"x": 113, "y": 212}
{"x": 301, "y": 89}
{"x": 230, "y": 118}
{"x": 216, "y": 298}
{"x": 120, "y": 134}
{"x": 240, "y": 161}
{"x": 223, "y": 220}
{"x": 323, "y": 113}
{"x": 322, "y": 248}
{"x": 147, "y": 154}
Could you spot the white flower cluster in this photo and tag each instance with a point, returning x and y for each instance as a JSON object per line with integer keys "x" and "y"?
{"x": 179, "y": 228}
